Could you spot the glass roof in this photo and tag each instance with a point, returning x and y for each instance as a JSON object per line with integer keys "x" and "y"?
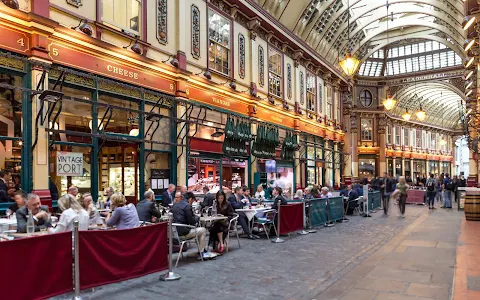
{"x": 420, "y": 56}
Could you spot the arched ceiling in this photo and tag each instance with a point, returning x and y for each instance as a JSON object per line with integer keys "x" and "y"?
{"x": 442, "y": 101}
{"x": 364, "y": 27}
{"x": 323, "y": 23}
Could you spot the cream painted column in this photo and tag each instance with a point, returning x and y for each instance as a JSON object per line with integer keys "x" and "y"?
{"x": 182, "y": 163}
{"x": 181, "y": 32}
{"x": 354, "y": 133}
{"x": 472, "y": 169}
{"x": 403, "y": 166}
{"x": 347, "y": 146}
{"x": 40, "y": 153}
{"x": 382, "y": 167}
{"x": 394, "y": 163}
{"x": 411, "y": 169}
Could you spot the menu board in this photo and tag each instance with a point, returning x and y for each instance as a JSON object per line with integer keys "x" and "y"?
{"x": 159, "y": 180}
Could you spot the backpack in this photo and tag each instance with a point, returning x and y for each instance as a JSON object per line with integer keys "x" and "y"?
{"x": 449, "y": 185}
{"x": 430, "y": 185}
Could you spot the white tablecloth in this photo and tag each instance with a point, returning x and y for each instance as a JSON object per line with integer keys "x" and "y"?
{"x": 8, "y": 221}
{"x": 251, "y": 212}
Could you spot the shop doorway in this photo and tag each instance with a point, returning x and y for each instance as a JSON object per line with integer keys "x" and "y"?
{"x": 118, "y": 168}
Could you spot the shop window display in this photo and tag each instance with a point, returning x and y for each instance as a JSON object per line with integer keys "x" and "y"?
{"x": 84, "y": 182}
{"x": 122, "y": 121}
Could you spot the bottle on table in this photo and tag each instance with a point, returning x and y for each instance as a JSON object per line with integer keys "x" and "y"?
{"x": 30, "y": 223}
{"x": 214, "y": 208}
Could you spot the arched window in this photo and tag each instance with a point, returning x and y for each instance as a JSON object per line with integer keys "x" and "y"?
{"x": 366, "y": 98}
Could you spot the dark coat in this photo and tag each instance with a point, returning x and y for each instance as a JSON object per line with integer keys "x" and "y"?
{"x": 208, "y": 200}
{"x": 146, "y": 210}
{"x": 183, "y": 214}
{"x": 22, "y": 215}
{"x": 279, "y": 199}
{"x": 4, "y": 192}
{"x": 167, "y": 199}
{"x": 235, "y": 204}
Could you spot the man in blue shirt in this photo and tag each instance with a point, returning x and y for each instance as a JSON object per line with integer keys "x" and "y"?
{"x": 447, "y": 192}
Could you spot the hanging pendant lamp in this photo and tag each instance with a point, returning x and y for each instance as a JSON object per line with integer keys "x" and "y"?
{"x": 349, "y": 64}
{"x": 406, "y": 116}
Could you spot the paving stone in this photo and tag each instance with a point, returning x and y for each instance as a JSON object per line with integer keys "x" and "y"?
{"x": 419, "y": 243}
{"x": 473, "y": 282}
{"x": 385, "y": 296}
{"x": 357, "y": 294}
{"x": 382, "y": 285}
{"x": 429, "y": 291}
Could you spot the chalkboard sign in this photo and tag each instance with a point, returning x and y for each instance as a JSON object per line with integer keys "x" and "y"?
{"x": 159, "y": 180}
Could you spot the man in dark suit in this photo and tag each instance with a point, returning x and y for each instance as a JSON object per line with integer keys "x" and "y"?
{"x": 351, "y": 195}
{"x": 146, "y": 208}
{"x": 278, "y": 198}
{"x": 168, "y": 196}
{"x": 208, "y": 197}
{"x": 4, "y": 179}
{"x": 41, "y": 216}
{"x": 238, "y": 201}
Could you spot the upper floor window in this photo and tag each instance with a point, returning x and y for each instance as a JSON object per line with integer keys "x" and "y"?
{"x": 397, "y": 135}
{"x": 418, "y": 136}
{"x": 311, "y": 91}
{"x": 414, "y": 138}
{"x": 337, "y": 106}
{"x": 275, "y": 63}
{"x": 389, "y": 134}
{"x": 124, "y": 14}
{"x": 366, "y": 98}
{"x": 405, "y": 137}
{"x": 328, "y": 111}
{"x": 367, "y": 125}
{"x": 219, "y": 42}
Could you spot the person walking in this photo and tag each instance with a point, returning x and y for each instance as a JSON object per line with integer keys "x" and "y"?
{"x": 386, "y": 188}
{"x": 402, "y": 188}
{"x": 431, "y": 192}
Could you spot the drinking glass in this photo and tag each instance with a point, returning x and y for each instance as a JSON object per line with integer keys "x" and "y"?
{"x": 43, "y": 229}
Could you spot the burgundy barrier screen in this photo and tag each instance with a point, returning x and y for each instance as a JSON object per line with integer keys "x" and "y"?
{"x": 37, "y": 267}
{"x": 415, "y": 196}
{"x": 116, "y": 255}
{"x": 291, "y": 218}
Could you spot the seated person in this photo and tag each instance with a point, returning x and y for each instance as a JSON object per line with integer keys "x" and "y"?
{"x": 208, "y": 197}
{"x": 169, "y": 195}
{"x": 124, "y": 216}
{"x": 238, "y": 201}
{"x": 93, "y": 214}
{"x": 73, "y": 212}
{"x": 260, "y": 193}
{"x": 220, "y": 228}
{"x": 246, "y": 193}
{"x": 147, "y": 212}
{"x": 350, "y": 204}
{"x": 183, "y": 214}
{"x": 41, "y": 215}
{"x": 278, "y": 198}
{"x": 325, "y": 193}
{"x": 19, "y": 198}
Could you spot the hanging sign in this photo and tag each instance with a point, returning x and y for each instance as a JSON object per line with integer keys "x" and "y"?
{"x": 69, "y": 164}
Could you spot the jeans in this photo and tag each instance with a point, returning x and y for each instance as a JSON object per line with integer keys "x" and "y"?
{"x": 447, "y": 198}
{"x": 200, "y": 233}
{"x": 386, "y": 201}
{"x": 402, "y": 200}
{"x": 431, "y": 198}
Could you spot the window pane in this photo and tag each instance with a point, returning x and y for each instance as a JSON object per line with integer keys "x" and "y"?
{"x": 219, "y": 45}
{"x": 122, "y": 13}
{"x": 122, "y": 121}
{"x": 275, "y": 72}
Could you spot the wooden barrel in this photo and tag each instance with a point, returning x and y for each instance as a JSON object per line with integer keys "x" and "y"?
{"x": 472, "y": 204}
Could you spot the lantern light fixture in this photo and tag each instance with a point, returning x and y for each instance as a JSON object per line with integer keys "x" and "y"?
{"x": 13, "y": 4}
{"x": 468, "y": 21}
{"x": 406, "y": 116}
{"x": 349, "y": 64}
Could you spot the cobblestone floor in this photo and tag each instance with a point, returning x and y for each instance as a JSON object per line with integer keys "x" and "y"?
{"x": 301, "y": 268}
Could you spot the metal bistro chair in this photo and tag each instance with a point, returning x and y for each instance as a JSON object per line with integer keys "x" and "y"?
{"x": 232, "y": 229}
{"x": 359, "y": 205}
{"x": 182, "y": 240}
{"x": 267, "y": 221}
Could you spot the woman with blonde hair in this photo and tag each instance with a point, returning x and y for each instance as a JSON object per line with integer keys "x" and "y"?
{"x": 260, "y": 193}
{"x": 124, "y": 216}
{"x": 402, "y": 188}
{"x": 72, "y": 211}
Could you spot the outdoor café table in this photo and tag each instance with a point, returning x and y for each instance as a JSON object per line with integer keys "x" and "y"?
{"x": 212, "y": 219}
{"x": 24, "y": 235}
{"x": 252, "y": 212}
{"x": 7, "y": 224}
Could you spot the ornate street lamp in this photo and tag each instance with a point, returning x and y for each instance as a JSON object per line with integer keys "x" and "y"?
{"x": 349, "y": 64}
{"x": 406, "y": 116}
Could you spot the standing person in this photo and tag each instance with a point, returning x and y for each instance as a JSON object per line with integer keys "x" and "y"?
{"x": 455, "y": 187}
{"x": 402, "y": 188}
{"x": 386, "y": 188}
{"x": 448, "y": 187}
{"x": 4, "y": 179}
{"x": 220, "y": 228}
{"x": 169, "y": 195}
{"x": 53, "y": 189}
{"x": 462, "y": 181}
{"x": 431, "y": 192}
{"x": 438, "y": 188}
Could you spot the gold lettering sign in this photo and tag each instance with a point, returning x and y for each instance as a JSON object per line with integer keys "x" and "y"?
{"x": 221, "y": 101}
{"x": 122, "y": 72}
{"x": 277, "y": 119}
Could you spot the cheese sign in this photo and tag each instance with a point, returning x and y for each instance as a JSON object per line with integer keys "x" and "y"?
{"x": 69, "y": 164}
